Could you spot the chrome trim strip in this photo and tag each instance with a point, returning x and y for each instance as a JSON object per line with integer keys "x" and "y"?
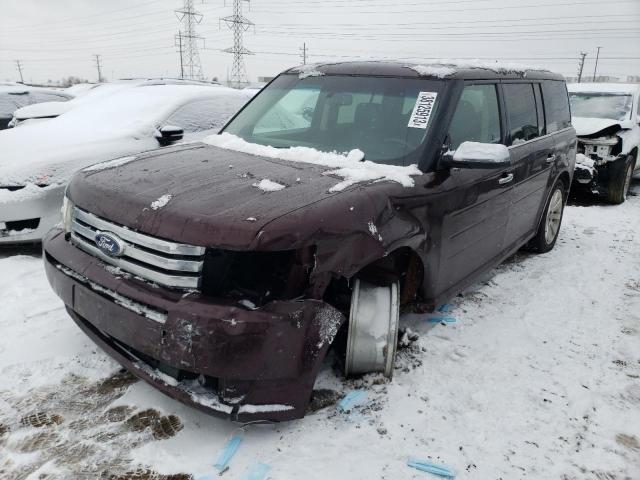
{"x": 138, "y": 238}
{"x": 194, "y": 266}
{"x": 152, "y": 275}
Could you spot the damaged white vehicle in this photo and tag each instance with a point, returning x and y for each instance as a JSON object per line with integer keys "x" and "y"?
{"x": 607, "y": 122}
{"x": 39, "y": 159}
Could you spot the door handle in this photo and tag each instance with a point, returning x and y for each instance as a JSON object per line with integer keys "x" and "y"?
{"x": 551, "y": 159}
{"x": 506, "y": 179}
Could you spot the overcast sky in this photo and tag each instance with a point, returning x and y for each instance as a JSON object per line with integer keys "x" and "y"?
{"x": 55, "y": 39}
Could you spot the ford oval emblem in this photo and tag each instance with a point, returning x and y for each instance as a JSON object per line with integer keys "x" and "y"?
{"x": 109, "y": 244}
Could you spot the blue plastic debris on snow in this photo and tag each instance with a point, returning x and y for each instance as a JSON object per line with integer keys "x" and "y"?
{"x": 434, "y": 468}
{"x": 257, "y": 471}
{"x": 352, "y": 399}
{"x": 441, "y": 319}
{"x": 227, "y": 453}
{"x": 446, "y": 308}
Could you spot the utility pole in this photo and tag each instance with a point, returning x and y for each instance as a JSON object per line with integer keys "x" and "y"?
{"x": 19, "y": 65}
{"x": 238, "y": 24}
{"x": 99, "y": 67}
{"x": 189, "y": 55}
{"x": 181, "y": 52}
{"x": 595, "y": 69}
{"x": 581, "y": 65}
{"x": 304, "y": 53}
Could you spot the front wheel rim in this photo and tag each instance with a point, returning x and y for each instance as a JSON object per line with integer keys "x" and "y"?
{"x": 554, "y": 215}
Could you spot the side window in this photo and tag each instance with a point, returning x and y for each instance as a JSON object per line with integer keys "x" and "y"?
{"x": 521, "y": 112}
{"x": 477, "y": 116}
{"x": 292, "y": 112}
{"x": 556, "y": 105}
{"x": 204, "y": 114}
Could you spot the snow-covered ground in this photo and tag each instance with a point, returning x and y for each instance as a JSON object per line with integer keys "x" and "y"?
{"x": 538, "y": 377}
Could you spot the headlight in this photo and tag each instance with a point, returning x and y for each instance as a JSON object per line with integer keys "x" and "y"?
{"x": 67, "y": 214}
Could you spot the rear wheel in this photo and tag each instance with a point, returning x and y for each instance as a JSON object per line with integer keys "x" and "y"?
{"x": 549, "y": 227}
{"x": 373, "y": 328}
{"x": 619, "y": 181}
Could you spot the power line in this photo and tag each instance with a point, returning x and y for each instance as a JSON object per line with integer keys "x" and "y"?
{"x": 239, "y": 24}
{"x": 190, "y": 57}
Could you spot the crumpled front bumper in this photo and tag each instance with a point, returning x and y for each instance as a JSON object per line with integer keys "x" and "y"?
{"x": 214, "y": 355}
{"x": 17, "y": 206}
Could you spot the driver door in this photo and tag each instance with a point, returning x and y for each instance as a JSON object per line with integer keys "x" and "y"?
{"x": 477, "y": 211}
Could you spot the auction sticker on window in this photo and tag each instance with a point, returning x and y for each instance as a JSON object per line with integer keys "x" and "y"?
{"x": 423, "y": 109}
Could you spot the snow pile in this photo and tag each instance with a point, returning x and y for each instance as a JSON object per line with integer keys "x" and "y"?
{"x": 350, "y": 166}
{"x": 248, "y": 408}
{"x": 116, "y": 162}
{"x": 585, "y": 163}
{"x": 267, "y": 185}
{"x": 308, "y": 70}
{"x": 485, "y": 152}
{"x": 439, "y": 66}
{"x": 438, "y": 71}
{"x": 161, "y": 202}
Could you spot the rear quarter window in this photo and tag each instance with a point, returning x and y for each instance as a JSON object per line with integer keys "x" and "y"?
{"x": 556, "y": 105}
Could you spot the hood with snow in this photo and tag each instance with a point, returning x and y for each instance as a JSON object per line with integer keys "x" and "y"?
{"x": 587, "y": 126}
{"x": 214, "y": 197}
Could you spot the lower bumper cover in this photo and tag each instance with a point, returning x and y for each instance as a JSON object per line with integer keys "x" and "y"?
{"x": 221, "y": 358}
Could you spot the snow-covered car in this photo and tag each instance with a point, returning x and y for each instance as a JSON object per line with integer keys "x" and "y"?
{"x": 48, "y": 110}
{"x": 606, "y": 117}
{"x": 13, "y": 97}
{"x": 38, "y": 160}
{"x": 222, "y": 272}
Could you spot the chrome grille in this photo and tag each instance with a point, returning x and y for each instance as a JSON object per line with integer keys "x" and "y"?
{"x": 166, "y": 263}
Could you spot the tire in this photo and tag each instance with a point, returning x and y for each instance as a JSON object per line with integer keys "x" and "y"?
{"x": 549, "y": 228}
{"x": 619, "y": 181}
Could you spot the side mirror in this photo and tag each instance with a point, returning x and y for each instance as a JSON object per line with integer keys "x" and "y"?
{"x": 477, "y": 155}
{"x": 169, "y": 134}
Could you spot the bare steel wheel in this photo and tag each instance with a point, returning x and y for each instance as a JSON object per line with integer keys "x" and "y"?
{"x": 549, "y": 226}
{"x": 554, "y": 216}
{"x": 373, "y": 328}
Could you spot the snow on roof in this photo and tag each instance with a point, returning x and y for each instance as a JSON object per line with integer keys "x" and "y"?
{"x": 348, "y": 166}
{"x": 116, "y": 125}
{"x": 629, "y": 88}
{"x": 444, "y": 67}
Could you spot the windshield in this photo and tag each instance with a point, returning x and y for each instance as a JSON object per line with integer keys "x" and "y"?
{"x": 387, "y": 118}
{"x": 616, "y": 106}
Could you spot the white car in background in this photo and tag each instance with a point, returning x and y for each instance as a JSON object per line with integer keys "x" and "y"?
{"x": 606, "y": 117}
{"x": 38, "y": 159}
{"x": 15, "y": 96}
{"x": 87, "y": 93}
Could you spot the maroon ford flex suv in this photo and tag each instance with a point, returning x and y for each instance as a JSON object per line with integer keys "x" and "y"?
{"x": 222, "y": 272}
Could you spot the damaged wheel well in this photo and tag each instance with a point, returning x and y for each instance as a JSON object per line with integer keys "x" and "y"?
{"x": 403, "y": 265}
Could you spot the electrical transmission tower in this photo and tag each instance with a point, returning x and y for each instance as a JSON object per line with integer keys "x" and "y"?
{"x": 99, "y": 67}
{"x": 187, "y": 41}
{"x": 19, "y": 66}
{"x": 303, "y": 53}
{"x": 238, "y": 24}
{"x": 581, "y": 65}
